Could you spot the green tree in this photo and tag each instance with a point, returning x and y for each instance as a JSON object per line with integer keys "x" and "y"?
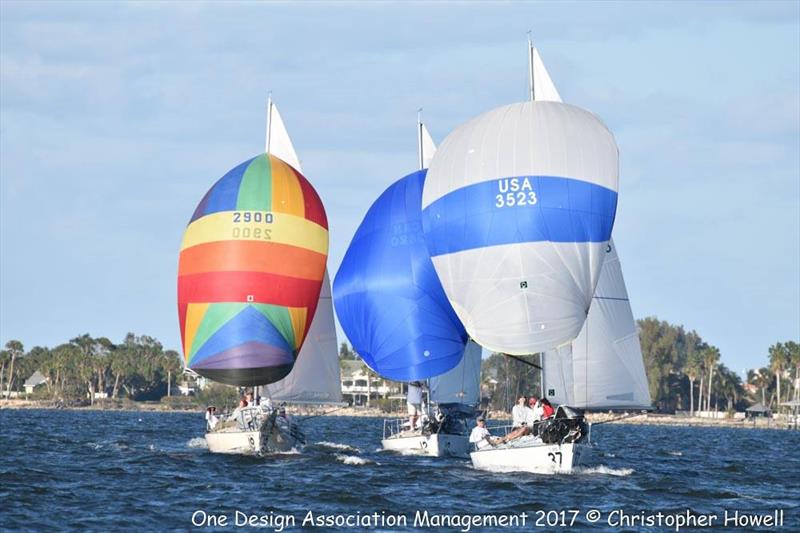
{"x": 778, "y": 361}
{"x": 346, "y": 353}
{"x": 710, "y": 357}
{"x": 14, "y": 349}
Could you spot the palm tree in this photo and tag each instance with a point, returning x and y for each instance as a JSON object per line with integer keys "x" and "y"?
{"x": 15, "y": 349}
{"x": 778, "y": 358}
{"x": 692, "y": 369}
{"x": 794, "y": 358}
{"x": 710, "y": 360}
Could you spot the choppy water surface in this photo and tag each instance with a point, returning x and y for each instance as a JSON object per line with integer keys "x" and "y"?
{"x": 151, "y": 471}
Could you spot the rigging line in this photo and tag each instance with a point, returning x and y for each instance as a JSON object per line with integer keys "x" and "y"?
{"x": 623, "y": 417}
{"x": 611, "y": 298}
{"x": 521, "y": 360}
{"x": 322, "y": 414}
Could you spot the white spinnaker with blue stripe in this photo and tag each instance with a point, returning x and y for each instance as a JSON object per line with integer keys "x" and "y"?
{"x": 518, "y": 208}
{"x": 603, "y": 367}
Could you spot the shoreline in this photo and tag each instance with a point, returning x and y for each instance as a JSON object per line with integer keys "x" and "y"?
{"x": 649, "y": 419}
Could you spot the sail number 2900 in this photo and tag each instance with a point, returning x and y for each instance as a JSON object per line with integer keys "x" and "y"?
{"x": 515, "y": 192}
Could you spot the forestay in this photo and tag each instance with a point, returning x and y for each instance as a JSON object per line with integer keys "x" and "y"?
{"x": 518, "y": 207}
{"x": 461, "y": 384}
{"x": 603, "y": 367}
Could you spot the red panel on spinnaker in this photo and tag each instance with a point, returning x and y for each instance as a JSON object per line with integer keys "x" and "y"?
{"x": 250, "y": 272}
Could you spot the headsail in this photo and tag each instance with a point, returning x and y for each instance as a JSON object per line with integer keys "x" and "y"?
{"x": 250, "y": 273}
{"x": 603, "y": 367}
{"x": 461, "y": 384}
{"x": 316, "y": 377}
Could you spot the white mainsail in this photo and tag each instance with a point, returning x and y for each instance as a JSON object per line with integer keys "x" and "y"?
{"x": 603, "y": 367}
{"x": 462, "y": 383}
{"x": 541, "y": 86}
{"x": 316, "y": 376}
{"x": 426, "y": 146}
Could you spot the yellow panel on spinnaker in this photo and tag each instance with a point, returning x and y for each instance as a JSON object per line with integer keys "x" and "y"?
{"x": 284, "y": 229}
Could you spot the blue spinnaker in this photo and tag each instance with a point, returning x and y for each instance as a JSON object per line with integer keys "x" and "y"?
{"x": 387, "y": 294}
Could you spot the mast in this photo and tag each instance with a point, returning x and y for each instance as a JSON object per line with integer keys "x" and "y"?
{"x": 419, "y": 139}
{"x": 269, "y": 122}
{"x": 531, "y": 92}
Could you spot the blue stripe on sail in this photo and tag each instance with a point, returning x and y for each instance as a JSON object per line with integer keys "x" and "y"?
{"x": 517, "y": 210}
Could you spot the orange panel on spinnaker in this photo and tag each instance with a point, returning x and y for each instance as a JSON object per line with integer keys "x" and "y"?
{"x": 250, "y": 272}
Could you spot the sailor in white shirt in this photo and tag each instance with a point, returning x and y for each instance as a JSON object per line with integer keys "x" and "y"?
{"x": 414, "y": 402}
{"x": 520, "y": 413}
{"x": 480, "y": 436}
{"x": 211, "y": 417}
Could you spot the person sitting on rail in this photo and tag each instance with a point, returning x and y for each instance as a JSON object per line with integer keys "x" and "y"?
{"x": 480, "y": 436}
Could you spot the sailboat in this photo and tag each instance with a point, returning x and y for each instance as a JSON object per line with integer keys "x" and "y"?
{"x": 398, "y": 319}
{"x": 252, "y": 276}
{"x": 518, "y": 210}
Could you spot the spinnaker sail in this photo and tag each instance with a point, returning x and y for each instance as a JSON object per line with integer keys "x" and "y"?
{"x": 387, "y": 296}
{"x": 603, "y": 367}
{"x": 250, "y": 272}
{"x": 518, "y": 207}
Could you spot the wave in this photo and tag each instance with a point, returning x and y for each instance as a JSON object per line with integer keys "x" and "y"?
{"x": 337, "y": 446}
{"x": 676, "y": 454}
{"x": 353, "y": 460}
{"x": 197, "y": 442}
{"x": 602, "y": 469}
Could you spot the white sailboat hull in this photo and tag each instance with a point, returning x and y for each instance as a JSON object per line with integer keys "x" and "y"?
{"x": 536, "y": 458}
{"x": 436, "y": 445}
{"x": 262, "y": 435}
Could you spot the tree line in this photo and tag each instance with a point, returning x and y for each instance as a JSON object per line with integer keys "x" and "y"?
{"x": 139, "y": 368}
{"x": 684, "y": 373}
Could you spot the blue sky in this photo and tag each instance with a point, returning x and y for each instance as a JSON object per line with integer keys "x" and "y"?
{"x": 116, "y": 118}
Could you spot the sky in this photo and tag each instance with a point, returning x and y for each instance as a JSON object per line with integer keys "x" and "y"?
{"x": 115, "y": 118}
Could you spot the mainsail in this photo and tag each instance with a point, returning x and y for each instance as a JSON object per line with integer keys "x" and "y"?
{"x": 251, "y": 267}
{"x": 387, "y": 295}
{"x": 461, "y": 384}
{"x": 316, "y": 376}
{"x": 603, "y": 367}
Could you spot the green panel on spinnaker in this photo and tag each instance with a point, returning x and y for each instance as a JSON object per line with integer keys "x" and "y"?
{"x": 255, "y": 192}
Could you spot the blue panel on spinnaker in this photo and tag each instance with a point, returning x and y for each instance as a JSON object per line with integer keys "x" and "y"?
{"x": 387, "y": 294}
{"x": 529, "y": 209}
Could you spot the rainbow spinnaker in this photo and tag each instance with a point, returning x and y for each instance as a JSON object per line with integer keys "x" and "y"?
{"x": 251, "y": 268}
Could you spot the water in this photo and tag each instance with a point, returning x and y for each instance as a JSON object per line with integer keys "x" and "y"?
{"x": 151, "y": 471}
